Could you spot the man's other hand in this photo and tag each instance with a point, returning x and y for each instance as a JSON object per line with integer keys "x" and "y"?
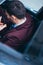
{"x": 2, "y": 25}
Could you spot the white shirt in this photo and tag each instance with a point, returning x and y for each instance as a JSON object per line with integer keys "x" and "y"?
{"x": 23, "y": 21}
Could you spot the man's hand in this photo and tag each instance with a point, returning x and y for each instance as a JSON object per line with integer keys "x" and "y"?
{"x": 2, "y": 25}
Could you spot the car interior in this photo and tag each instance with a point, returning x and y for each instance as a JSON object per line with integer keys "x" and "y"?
{"x": 33, "y": 51}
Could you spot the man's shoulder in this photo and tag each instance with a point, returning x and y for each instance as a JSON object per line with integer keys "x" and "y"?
{"x": 29, "y": 17}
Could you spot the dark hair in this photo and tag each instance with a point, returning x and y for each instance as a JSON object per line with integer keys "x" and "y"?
{"x": 15, "y": 8}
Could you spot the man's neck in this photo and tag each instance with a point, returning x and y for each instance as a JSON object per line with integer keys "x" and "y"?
{"x": 20, "y": 20}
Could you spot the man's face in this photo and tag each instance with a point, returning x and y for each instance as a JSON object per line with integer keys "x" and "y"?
{"x": 11, "y": 18}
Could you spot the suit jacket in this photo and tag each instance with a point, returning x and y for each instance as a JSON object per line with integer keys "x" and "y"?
{"x": 16, "y": 37}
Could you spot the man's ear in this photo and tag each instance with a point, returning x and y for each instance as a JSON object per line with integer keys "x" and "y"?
{"x": 13, "y": 17}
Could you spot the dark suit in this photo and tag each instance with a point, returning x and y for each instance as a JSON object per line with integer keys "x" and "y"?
{"x": 17, "y": 37}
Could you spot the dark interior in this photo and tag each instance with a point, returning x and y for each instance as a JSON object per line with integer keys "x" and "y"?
{"x": 36, "y": 20}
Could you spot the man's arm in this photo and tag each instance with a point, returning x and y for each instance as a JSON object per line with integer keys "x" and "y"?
{"x": 12, "y": 41}
{"x": 14, "y": 38}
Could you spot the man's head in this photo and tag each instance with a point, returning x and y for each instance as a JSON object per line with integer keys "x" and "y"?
{"x": 15, "y": 9}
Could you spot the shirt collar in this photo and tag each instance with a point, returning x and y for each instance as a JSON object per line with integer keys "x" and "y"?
{"x": 20, "y": 22}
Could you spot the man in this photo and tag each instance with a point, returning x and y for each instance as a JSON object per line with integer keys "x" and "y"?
{"x": 22, "y": 26}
